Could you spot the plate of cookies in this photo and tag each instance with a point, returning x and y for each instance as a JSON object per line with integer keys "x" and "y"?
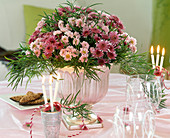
{"x": 30, "y": 100}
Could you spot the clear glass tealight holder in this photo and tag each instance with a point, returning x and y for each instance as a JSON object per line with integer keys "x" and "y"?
{"x": 51, "y": 122}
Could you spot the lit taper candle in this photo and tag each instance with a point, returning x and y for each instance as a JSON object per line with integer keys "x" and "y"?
{"x": 162, "y": 58}
{"x": 152, "y": 57}
{"x": 157, "y": 56}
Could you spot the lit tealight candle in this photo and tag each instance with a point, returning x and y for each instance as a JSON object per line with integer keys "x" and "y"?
{"x": 157, "y": 57}
{"x": 51, "y": 93}
{"x": 43, "y": 88}
{"x": 162, "y": 58}
{"x": 56, "y": 87}
{"x": 152, "y": 57}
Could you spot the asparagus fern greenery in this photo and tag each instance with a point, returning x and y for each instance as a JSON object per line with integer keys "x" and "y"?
{"x": 77, "y": 37}
{"x": 76, "y": 109}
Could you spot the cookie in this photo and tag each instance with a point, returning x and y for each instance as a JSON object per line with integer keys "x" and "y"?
{"x": 37, "y": 102}
{"x": 28, "y": 98}
{"x": 17, "y": 98}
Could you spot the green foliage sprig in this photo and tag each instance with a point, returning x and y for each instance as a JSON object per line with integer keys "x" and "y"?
{"x": 79, "y": 110}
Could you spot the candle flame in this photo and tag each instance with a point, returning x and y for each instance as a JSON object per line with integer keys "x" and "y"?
{"x": 158, "y": 49}
{"x": 163, "y": 51}
{"x": 43, "y": 79}
{"x": 152, "y": 50}
{"x": 51, "y": 79}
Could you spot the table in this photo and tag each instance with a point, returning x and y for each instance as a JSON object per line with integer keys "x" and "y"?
{"x": 12, "y": 119}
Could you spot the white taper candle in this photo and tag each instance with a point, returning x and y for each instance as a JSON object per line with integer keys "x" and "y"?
{"x": 56, "y": 88}
{"x": 43, "y": 89}
{"x": 51, "y": 93}
{"x": 162, "y": 58}
{"x": 152, "y": 57}
{"x": 157, "y": 57}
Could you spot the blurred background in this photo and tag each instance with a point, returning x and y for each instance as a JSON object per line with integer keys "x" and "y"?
{"x": 146, "y": 20}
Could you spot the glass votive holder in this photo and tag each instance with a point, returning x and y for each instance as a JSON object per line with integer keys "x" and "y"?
{"x": 51, "y": 122}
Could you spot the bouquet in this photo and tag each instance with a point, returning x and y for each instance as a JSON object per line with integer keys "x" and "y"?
{"x": 77, "y": 37}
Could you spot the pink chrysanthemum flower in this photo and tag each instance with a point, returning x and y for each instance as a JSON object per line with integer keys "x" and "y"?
{"x": 132, "y": 41}
{"x": 77, "y": 35}
{"x": 69, "y": 34}
{"x": 103, "y": 45}
{"x": 100, "y": 23}
{"x": 63, "y": 29}
{"x": 57, "y": 32}
{"x": 31, "y": 40}
{"x": 111, "y": 48}
{"x": 115, "y": 18}
{"x": 76, "y": 41}
{"x": 133, "y": 48}
{"x": 40, "y": 24}
{"x": 86, "y": 32}
{"x": 48, "y": 55}
{"x": 96, "y": 37}
{"x": 49, "y": 49}
{"x": 79, "y": 23}
{"x": 27, "y": 52}
{"x": 70, "y": 48}
{"x": 51, "y": 41}
{"x": 83, "y": 58}
{"x": 59, "y": 45}
{"x": 41, "y": 45}
{"x": 33, "y": 46}
{"x": 37, "y": 41}
{"x": 37, "y": 52}
{"x": 112, "y": 55}
{"x": 124, "y": 35}
{"x": 72, "y": 21}
{"x": 106, "y": 29}
{"x": 97, "y": 53}
{"x": 92, "y": 15}
{"x": 114, "y": 37}
{"x": 92, "y": 24}
{"x": 120, "y": 25}
{"x": 105, "y": 36}
{"x": 68, "y": 27}
{"x": 65, "y": 39}
{"x": 75, "y": 53}
{"x": 84, "y": 51}
{"x": 101, "y": 62}
{"x": 92, "y": 49}
{"x": 60, "y": 24}
{"x": 67, "y": 56}
{"x": 95, "y": 30}
{"x": 85, "y": 44}
{"x": 62, "y": 52}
